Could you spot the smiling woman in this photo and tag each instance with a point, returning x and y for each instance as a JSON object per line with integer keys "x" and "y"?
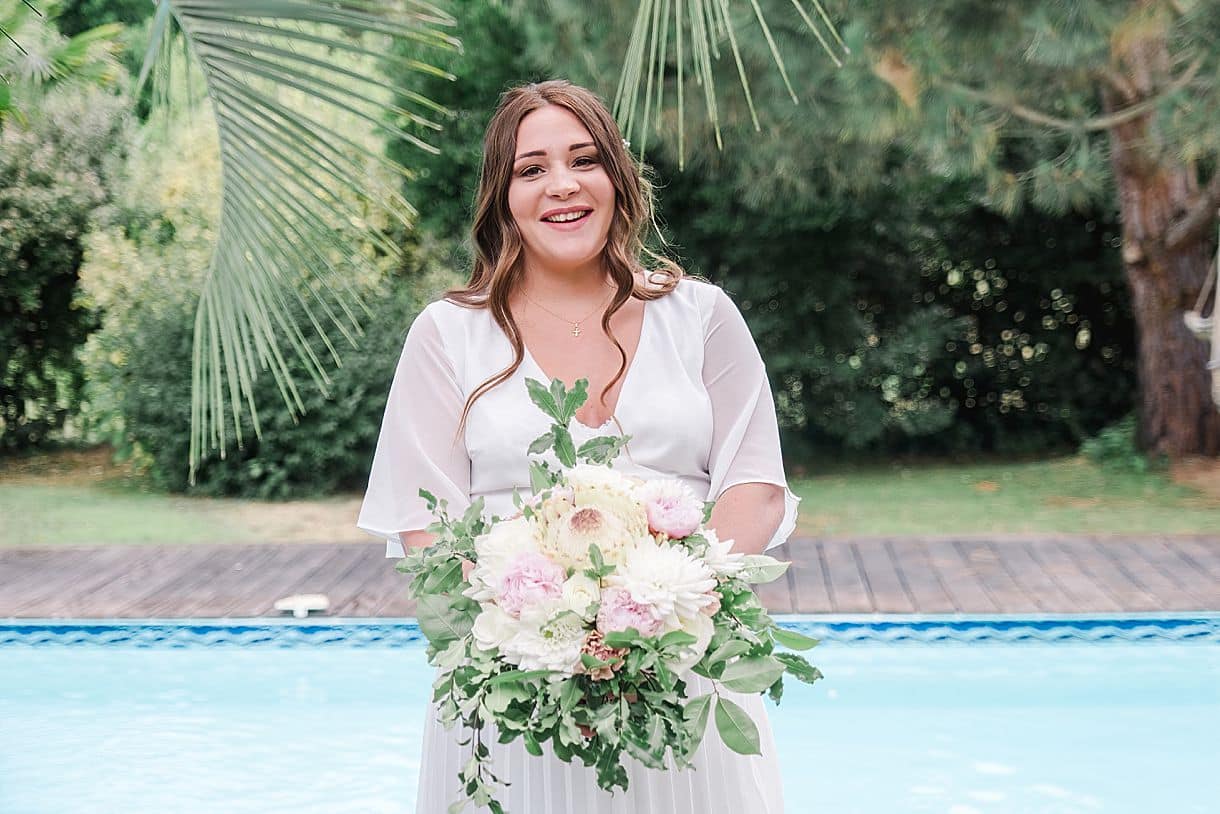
{"x": 561, "y": 214}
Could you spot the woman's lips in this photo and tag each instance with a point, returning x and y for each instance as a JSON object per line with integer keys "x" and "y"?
{"x": 571, "y": 225}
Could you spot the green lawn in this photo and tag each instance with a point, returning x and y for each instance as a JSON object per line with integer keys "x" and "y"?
{"x": 82, "y": 504}
{"x": 1063, "y": 495}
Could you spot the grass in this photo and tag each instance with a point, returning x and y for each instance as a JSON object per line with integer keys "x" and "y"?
{"x": 81, "y": 497}
{"x": 1067, "y": 495}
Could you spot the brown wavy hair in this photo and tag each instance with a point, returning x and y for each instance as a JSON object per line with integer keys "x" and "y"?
{"x": 498, "y": 255}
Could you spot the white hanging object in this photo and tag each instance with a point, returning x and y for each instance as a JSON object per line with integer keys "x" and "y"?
{"x": 1205, "y": 327}
{"x": 302, "y": 604}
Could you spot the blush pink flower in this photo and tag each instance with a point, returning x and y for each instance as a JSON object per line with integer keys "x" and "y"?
{"x": 532, "y": 578}
{"x": 671, "y": 506}
{"x": 619, "y": 611}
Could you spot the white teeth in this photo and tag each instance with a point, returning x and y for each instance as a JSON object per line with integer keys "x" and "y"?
{"x": 567, "y": 216}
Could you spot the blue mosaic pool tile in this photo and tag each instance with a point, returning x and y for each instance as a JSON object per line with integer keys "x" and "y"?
{"x": 856, "y": 632}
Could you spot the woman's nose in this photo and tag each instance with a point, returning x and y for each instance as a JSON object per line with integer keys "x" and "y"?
{"x": 562, "y": 184}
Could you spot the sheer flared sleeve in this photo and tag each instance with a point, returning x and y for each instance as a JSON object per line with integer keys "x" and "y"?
{"x": 745, "y": 434}
{"x": 416, "y": 447}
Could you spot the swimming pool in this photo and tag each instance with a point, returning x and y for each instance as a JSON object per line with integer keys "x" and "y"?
{"x": 956, "y": 715}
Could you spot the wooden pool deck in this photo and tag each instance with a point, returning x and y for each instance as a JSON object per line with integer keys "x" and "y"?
{"x": 958, "y": 574}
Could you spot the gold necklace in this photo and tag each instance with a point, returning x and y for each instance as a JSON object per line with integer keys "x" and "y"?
{"x": 575, "y": 325}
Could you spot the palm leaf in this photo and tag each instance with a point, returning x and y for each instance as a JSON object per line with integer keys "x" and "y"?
{"x": 696, "y": 29}
{"x": 299, "y": 172}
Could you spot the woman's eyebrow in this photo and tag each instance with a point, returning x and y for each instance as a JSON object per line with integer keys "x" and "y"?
{"x": 571, "y": 147}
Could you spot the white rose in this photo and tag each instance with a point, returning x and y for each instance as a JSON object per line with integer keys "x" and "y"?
{"x": 579, "y": 592}
{"x": 497, "y": 550}
{"x": 701, "y": 627}
{"x": 493, "y": 628}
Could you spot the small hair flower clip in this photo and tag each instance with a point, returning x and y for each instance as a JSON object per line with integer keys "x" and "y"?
{"x": 626, "y": 144}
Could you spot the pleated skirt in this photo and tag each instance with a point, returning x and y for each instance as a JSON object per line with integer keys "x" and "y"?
{"x": 720, "y": 781}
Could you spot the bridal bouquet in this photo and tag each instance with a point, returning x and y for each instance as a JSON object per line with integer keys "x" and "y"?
{"x": 583, "y": 613}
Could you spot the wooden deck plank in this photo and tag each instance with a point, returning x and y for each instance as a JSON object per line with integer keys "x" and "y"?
{"x": 1046, "y": 594}
{"x": 1061, "y": 574}
{"x": 889, "y": 591}
{"x": 811, "y": 591}
{"x": 849, "y": 591}
{"x": 911, "y": 559}
{"x": 958, "y": 576}
{"x": 1086, "y": 593}
{"x": 1188, "y": 584}
{"x": 988, "y": 566}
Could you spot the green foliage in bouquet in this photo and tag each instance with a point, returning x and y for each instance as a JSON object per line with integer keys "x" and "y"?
{"x": 626, "y": 695}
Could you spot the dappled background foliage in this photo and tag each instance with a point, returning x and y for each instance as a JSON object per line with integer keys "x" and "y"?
{"x": 904, "y": 297}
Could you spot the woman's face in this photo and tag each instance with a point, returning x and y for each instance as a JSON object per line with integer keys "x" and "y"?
{"x": 558, "y": 176}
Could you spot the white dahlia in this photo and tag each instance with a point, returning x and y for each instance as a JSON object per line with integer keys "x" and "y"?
{"x": 667, "y": 577}
{"x": 554, "y": 644}
{"x": 720, "y": 556}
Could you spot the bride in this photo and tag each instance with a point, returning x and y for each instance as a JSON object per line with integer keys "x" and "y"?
{"x": 563, "y": 287}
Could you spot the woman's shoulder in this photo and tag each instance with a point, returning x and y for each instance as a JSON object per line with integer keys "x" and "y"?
{"x": 696, "y": 295}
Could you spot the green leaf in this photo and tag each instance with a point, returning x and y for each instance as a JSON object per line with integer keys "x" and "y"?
{"x": 676, "y": 638}
{"x": 542, "y": 443}
{"x": 696, "y": 712}
{"x": 559, "y": 396}
{"x": 429, "y": 498}
{"x": 443, "y": 619}
{"x": 736, "y": 729}
{"x": 791, "y": 639}
{"x": 622, "y": 638}
{"x": 798, "y": 667}
{"x": 543, "y": 398}
{"x": 443, "y": 578}
{"x": 752, "y": 674}
{"x": 565, "y": 449}
{"x": 726, "y": 651}
{"x": 757, "y": 568}
{"x": 519, "y": 676}
{"x": 541, "y": 477}
{"x": 573, "y": 399}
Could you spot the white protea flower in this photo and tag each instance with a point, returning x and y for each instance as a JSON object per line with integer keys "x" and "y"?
{"x": 497, "y": 550}
{"x": 566, "y": 540}
{"x": 612, "y": 493}
{"x": 547, "y": 643}
{"x": 720, "y": 557}
{"x": 667, "y": 577}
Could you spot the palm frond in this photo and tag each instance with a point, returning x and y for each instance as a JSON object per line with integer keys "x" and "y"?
{"x": 697, "y": 28}
{"x": 301, "y": 165}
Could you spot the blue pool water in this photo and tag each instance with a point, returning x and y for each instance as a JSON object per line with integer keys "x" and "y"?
{"x": 960, "y": 716}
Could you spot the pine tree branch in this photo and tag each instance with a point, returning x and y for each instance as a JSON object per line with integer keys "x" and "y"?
{"x": 1095, "y": 124}
{"x": 1200, "y": 217}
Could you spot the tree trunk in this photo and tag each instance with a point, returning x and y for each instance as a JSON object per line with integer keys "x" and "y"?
{"x": 1177, "y": 415}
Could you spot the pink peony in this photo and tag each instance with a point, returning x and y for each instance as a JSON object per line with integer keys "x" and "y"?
{"x": 671, "y": 506}
{"x": 530, "y": 579}
{"x": 620, "y": 611}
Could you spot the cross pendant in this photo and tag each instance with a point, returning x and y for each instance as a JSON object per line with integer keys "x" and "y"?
{"x": 575, "y": 329}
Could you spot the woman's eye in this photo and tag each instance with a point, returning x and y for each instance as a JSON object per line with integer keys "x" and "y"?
{"x": 589, "y": 159}
{"x": 525, "y": 173}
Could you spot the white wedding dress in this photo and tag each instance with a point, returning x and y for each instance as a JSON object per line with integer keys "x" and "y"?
{"x": 697, "y": 405}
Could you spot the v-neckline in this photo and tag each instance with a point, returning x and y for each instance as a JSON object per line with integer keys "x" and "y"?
{"x": 622, "y": 391}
